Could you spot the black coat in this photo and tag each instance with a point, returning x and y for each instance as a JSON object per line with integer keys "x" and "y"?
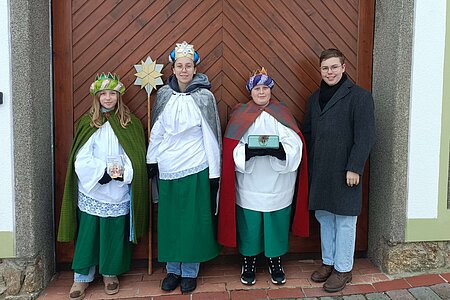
{"x": 338, "y": 140}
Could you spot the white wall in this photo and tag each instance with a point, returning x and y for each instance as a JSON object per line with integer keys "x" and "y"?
{"x": 6, "y": 155}
{"x": 426, "y": 108}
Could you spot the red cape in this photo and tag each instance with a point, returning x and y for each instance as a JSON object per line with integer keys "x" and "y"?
{"x": 245, "y": 115}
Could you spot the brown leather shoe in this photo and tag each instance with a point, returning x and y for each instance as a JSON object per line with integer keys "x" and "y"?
{"x": 77, "y": 291}
{"x": 111, "y": 285}
{"x": 322, "y": 274}
{"x": 337, "y": 281}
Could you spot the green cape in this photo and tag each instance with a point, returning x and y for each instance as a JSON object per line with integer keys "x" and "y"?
{"x": 132, "y": 140}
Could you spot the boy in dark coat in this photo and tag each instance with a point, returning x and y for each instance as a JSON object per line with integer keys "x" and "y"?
{"x": 339, "y": 133}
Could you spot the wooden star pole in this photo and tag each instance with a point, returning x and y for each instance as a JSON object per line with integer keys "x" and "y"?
{"x": 148, "y": 76}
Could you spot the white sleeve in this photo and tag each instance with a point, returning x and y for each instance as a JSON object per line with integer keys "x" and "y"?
{"x": 88, "y": 168}
{"x": 293, "y": 146}
{"x": 211, "y": 149}
{"x": 156, "y": 137}
{"x": 240, "y": 164}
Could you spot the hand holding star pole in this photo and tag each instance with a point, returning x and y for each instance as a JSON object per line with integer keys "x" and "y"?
{"x": 148, "y": 77}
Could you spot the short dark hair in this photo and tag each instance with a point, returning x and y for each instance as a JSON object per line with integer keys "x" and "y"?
{"x": 331, "y": 52}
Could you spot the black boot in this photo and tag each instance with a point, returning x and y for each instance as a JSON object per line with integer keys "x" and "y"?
{"x": 188, "y": 284}
{"x": 276, "y": 270}
{"x": 171, "y": 282}
{"x": 248, "y": 275}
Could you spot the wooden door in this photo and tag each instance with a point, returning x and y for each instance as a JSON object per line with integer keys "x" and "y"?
{"x": 233, "y": 37}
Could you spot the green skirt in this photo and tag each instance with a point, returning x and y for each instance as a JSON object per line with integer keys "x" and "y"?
{"x": 103, "y": 242}
{"x": 185, "y": 221}
{"x": 266, "y": 232}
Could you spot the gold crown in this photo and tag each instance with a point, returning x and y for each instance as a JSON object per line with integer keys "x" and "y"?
{"x": 184, "y": 50}
{"x": 259, "y": 71}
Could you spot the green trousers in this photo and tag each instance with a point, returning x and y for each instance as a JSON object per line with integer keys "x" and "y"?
{"x": 185, "y": 222}
{"x": 266, "y": 232}
{"x": 103, "y": 242}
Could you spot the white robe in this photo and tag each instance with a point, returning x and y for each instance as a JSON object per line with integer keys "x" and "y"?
{"x": 181, "y": 141}
{"x": 265, "y": 183}
{"x": 103, "y": 200}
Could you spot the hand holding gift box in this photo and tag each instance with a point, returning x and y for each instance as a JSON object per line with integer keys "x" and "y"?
{"x": 115, "y": 166}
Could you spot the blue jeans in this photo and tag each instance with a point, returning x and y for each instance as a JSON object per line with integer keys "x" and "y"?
{"x": 77, "y": 277}
{"x": 184, "y": 269}
{"x": 337, "y": 236}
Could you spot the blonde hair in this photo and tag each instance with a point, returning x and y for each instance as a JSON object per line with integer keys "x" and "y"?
{"x": 122, "y": 111}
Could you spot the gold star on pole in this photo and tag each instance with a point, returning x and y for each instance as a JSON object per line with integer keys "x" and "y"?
{"x": 148, "y": 75}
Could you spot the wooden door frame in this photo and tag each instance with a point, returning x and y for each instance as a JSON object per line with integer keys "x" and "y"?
{"x": 366, "y": 19}
{"x": 62, "y": 98}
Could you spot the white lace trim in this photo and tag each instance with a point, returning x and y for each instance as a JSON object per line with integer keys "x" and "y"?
{"x": 101, "y": 209}
{"x": 184, "y": 173}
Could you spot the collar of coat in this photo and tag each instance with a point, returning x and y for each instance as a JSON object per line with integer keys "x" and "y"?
{"x": 342, "y": 91}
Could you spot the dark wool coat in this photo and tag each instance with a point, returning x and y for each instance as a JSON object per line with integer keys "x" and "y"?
{"x": 338, "y": 139}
